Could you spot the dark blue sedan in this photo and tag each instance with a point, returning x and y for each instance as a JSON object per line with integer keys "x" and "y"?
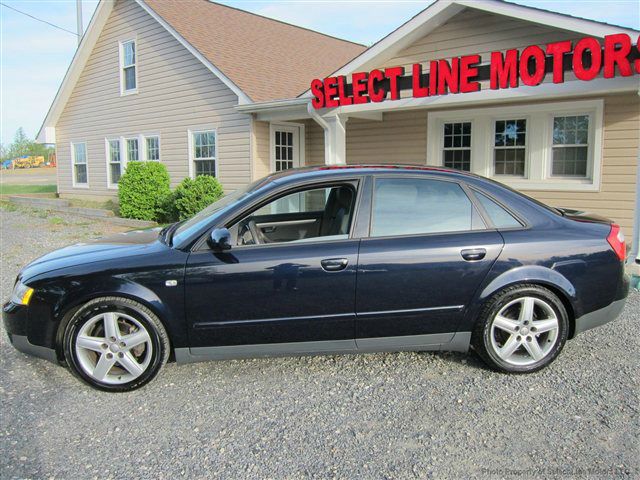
{"x": 327, "y": 260}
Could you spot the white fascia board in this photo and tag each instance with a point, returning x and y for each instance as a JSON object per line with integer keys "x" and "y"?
{"x": 550, "y": 19}
{"x": 546, "y": 91}
{"x": 243, "y": 98}
{"x": 442, "y": 10}
{"x": 75, "y": 69}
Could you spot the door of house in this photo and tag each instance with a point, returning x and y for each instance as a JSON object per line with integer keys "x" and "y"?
{"x": 285, "y": 147}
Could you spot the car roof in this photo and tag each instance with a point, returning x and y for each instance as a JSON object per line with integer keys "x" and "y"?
{"x": 335, "y": 171}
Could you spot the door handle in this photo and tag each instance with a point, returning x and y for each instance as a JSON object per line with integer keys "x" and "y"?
{"x": 334, "y": 264}
{"x": 473, "y": 254}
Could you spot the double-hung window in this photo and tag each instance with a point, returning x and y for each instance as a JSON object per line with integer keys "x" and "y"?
{"x": 128, "y": 66}
{"x": 115, "y": 161}
{"x": 80, "y": 175}
{"x": 570, "y": 151}
{"x": 204, "y": 152}
{"x": 132, "y": 149}
{"x": 457, "y": 145}
{"x": 153, "y": 148}
{"x": 509, "y": 153}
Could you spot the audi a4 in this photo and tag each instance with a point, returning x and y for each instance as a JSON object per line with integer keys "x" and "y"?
{"x": 327, "y": 260}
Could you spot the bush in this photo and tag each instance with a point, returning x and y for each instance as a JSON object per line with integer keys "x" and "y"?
{"x": 142, "y": 188}
{"x": 191, "y": 196}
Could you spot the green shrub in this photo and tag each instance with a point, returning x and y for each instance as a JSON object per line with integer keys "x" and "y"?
{"x": 167, "y": 212}
{"x": 191, "y": 196}
{"x": 142, "y": 187}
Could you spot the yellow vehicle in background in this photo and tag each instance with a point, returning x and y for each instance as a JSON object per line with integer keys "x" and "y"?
{"x": 28, "y": 162}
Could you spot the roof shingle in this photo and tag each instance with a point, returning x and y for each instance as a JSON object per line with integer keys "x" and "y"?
{"x": 267, "y": 59}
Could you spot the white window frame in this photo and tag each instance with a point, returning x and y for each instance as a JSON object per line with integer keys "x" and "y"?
{"x": 527, "y": 161}
{"x": 72, "y": 146}
{"x": 145, "y": 148}
{"x": 190, "y": 145}
{"x": 590, "y": 147}
{"x": 121, "y": 44}
{"x": 442, "y": 147}
{"x": 126, "y": 149}
{"x": 539, "y": 142}
{"x": 123, "y": 160}
{"x": 273, "y": 126}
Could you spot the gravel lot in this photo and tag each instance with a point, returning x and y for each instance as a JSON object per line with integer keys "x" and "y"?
{"x": 407, "y": 415}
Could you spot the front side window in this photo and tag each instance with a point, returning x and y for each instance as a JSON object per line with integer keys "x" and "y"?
{"x": 300, "y": 216}
{"x": 115, "y": 162}
{"x": 411, "y": 206}
{"x": 132, "y": 150}
{"x": 153, "y": 148}
{"x": 79, "y": 163}
{"x": 204, "y": 153}
{"x": 128, "y": 62}
{"x": 456, "y": 151}
{"x": 510, "y": 147}
{"x": 570, "y": 146}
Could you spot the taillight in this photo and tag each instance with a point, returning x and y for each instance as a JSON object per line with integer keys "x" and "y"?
{"x": 616, "y": 240}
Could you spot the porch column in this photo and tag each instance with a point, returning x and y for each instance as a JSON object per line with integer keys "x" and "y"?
{"x": 335, "y": 140}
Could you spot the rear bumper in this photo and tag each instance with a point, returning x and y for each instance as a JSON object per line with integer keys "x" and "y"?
{"x": 15, "y": 323}
{"x": 599, "y": 317}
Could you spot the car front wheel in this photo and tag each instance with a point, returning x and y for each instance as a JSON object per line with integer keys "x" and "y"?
{"x": 521, "y": 329}
{"x": 115, "y": 344}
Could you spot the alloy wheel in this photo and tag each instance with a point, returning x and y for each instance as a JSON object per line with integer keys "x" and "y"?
{"x": 113, "y": 348}
{"x": 524, "y": 331}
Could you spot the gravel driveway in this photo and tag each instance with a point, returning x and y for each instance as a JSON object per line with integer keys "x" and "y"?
{"x": 406, "y": 415}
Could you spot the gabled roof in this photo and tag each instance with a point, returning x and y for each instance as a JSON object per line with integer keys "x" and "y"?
{"x": 258, "y": 58}
{"x": 441, "y": 11}
{"x": 266, "y": 58}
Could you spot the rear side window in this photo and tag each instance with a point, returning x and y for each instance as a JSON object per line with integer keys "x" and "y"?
{"x": 498, "y": 215}
{"x": 410, "y": 206}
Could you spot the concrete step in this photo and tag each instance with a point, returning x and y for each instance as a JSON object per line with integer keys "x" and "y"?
{"x": 37, "y": 202}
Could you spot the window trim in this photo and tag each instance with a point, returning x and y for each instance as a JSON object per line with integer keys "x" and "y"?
{"x": 273, "y": 126}
{"x": 539, "y": 129}
{"x": 73, "y": 164}
{"x": 126, "y": 148}
{"x": 113, "y": 186}
{"x": 527, "y": 161}
{"x": 190, "y": 145}
{"x": 121, "y": 43}
{"x": 590, "y": 144}
{"x": 470, "y": 148}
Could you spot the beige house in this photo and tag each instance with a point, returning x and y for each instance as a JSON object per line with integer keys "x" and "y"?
{"x": 151, "y": 80}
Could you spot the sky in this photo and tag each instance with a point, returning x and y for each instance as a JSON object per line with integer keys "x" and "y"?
{"x": 34, "y": 56}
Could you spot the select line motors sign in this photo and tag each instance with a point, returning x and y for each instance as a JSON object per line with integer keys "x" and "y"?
{"x": 585, "y": 59}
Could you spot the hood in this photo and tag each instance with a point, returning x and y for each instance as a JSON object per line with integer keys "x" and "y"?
{"x": 116, "y": 247}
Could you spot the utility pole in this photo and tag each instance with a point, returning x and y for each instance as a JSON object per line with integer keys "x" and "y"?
{"x": 79, "y": 19}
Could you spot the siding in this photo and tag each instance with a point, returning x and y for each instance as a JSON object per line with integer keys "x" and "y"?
{"x": 176, "y": 92}
{"x": 261, "y": 146}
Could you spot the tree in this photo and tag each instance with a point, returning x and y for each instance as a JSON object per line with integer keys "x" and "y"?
{"x": 21, "y": 146}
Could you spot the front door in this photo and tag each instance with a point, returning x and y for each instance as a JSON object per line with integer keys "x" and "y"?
{"x": 285, "y": 147}
{"x": 427, "y": 253}
{"x": 287, "y": 284}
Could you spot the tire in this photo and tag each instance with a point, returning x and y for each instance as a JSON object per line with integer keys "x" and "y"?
{"x": 115, "y": 344}
{"x": 521, "y": 329}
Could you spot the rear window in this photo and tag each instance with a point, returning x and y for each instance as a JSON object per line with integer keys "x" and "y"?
{"x": 410, "y": 206}
{"x": 500, "y": 217}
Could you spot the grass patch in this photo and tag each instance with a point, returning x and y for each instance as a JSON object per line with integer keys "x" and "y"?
{"x": 56, "y": 221}
{"x": 17, "y": 189}
{"x": 108, "y": 205}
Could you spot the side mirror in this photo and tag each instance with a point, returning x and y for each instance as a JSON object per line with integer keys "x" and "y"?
{"x": 220, "y": 239}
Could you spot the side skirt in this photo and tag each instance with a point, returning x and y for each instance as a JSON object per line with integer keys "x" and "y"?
{"x": 456, "y": 342}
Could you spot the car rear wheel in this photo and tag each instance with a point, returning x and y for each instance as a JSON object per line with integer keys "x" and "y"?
{"x": 521, "y": 329}
{"x": 115, "y": 344}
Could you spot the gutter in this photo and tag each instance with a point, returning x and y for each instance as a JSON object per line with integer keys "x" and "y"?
{"x": 270, "y": 105}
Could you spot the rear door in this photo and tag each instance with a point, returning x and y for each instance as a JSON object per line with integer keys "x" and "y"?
{"x": 427, "y": 253}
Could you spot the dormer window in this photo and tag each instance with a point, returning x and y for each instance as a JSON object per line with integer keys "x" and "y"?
{"x": 128, "y": 69}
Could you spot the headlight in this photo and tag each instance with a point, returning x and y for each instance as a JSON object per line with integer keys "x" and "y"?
{"x": 21, "y": 294}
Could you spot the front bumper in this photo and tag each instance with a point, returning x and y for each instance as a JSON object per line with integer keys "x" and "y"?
{"x": 15, "y": 323}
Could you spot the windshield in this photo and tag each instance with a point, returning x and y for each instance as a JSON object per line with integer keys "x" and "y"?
{"x": 201, "y": 218}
